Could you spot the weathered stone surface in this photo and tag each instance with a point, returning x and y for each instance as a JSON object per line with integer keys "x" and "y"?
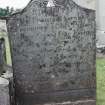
{"x": 4, "y": 92}
{"x": 9, "y": 76}
{"x": 53, "y": 52}
{"x": 3, "y": 28}
{"x": 2, "y": 55}
{"x": 80, "y": 102}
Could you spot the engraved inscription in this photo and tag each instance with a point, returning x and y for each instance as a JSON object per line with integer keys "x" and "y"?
{"x": 53, "y": 48}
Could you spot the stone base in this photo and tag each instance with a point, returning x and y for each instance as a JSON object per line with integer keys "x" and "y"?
{"x": 82, "y": 102}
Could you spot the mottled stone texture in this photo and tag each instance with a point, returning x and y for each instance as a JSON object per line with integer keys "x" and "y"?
{"x": 80, "y": 102}
{"x": 4, "y": 92}
{"x": 53, "y": 52}
{"x": 2, "y": 55}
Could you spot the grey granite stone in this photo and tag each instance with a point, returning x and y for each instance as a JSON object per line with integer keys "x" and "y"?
{"x": 80, "y": 102}
{"x": 4, "y": 92}
{"x": 53, "y": 52}
{"x": 2, "y": 55}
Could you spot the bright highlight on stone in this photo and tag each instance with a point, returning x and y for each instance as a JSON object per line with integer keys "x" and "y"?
{"x": 50, "y": 3}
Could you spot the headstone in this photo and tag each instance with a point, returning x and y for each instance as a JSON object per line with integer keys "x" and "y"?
{"x": 2, "y": 55}
{"x": 2, "y": 26}
{"x": 4, "y": 92}
{"x": 53, "y": 52}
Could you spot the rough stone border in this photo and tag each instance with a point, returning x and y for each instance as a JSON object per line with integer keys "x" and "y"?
{"x": 81, "y": 102}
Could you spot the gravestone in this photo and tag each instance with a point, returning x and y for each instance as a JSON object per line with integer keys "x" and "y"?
{"x": 2, "y": 55}
{"x": 4, "y": 92}
{"x": 53, "y": 52}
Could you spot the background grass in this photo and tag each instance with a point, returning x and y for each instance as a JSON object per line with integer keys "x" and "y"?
{"x": 100, "y": 81}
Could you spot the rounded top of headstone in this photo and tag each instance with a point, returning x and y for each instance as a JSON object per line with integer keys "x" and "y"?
{"x": 4, "y": 82}
{"x": 59, "y": 1}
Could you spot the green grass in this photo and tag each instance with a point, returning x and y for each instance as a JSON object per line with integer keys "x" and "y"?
{"x": 100, "y": 81}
